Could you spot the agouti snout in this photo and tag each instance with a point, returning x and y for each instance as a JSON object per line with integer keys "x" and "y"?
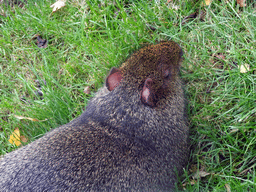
{"x": 132, "y": 136}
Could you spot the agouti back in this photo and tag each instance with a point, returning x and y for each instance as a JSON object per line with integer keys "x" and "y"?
{"x": 132, "y": 136}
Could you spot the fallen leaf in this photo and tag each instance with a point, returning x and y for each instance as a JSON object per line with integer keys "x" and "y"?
{"x": 207, "y": 2}
{"x": 15, "y": 137}
{"x": 57, "y": 5}
{"x": 192, "y": 182}
{"x": 234, "y": 130}
{"x": 244, "y": 68}
{"x": 241, "y": 3}
{"x": 41, "y": 43}
{"x": 87, "y": 90}
{"x": 28, "y": 118}
{"x": 200, "y": 174}
{"x": 228, "y": 187}
{"x": 23, "y": 139}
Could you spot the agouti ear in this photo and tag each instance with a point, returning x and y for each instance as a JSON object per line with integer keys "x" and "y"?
{"x": 113, "y": 79}
{"x": 147, "y": 94}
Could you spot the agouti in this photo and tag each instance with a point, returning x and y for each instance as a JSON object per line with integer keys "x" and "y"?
{"x": 132, "y": 136}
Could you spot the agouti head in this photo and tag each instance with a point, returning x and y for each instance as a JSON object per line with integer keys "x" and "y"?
{"x": 131, "y": 137}
{"x": 152, "y": 71}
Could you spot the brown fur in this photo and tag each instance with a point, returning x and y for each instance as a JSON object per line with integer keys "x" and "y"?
{"x": 132, "y": 136}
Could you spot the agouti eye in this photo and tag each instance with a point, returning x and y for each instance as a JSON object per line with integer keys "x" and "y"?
{"x": 167, "y": 74}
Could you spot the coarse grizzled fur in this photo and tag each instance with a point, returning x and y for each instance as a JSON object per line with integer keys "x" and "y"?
{"x": 132, "y": 136}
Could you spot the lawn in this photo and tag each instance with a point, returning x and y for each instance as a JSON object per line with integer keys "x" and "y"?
{"x": 49, "y": 83}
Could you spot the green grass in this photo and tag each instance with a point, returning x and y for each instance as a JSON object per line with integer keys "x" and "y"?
{"x": 85, "y": 40}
